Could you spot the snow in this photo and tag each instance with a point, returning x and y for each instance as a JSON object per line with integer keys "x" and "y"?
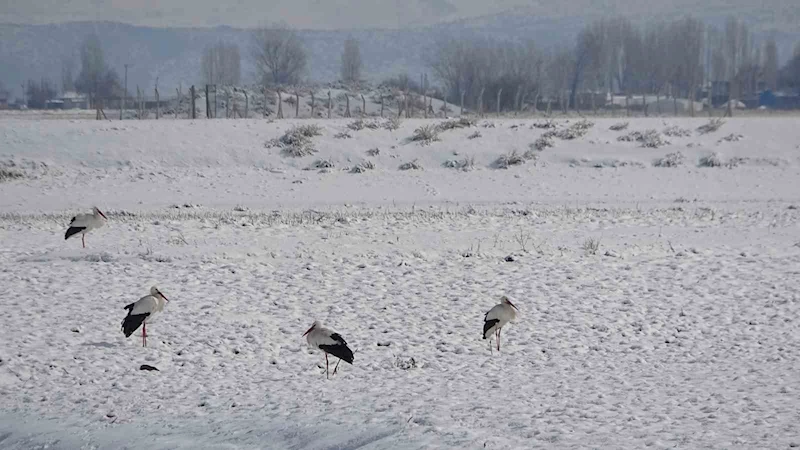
{"x": 679, "y": 330}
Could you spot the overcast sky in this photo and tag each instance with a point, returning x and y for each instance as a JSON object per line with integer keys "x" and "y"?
{"x": 342, "y": 14}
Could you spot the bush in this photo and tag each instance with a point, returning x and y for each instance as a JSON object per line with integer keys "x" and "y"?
{"x": 362, "y": 167}
{"x": 392, "y": 124}
{"x": 412, "y": 165}
{"x": 576, "y": 130}
{"x": 712, "y": 160}
{"x": 712, "y": 126}
{"x": 374, "y": 152}
{"x": 357, "y": 125}
{"x": 475, "y": 135}
{"x": 322, "y": 164}
{"x": 10, "y": 174}
{"x": 342, "y": 135}
{"x": 676, "y": 131}
{"x": 542, "y": 143}
{"x": 653, "y": 139}
{"x": 619, "y": 126}
{"x": 508, "y": 160}
{"x": 547, "y": 124}
{"x": 465, "y": 164}
{"x": 733, "y": 137}
{"x": 670, "y": 160}
{"x": 296, "y": 142}
{"x": 463, "y": 122}
{"x": 425, "y": 135}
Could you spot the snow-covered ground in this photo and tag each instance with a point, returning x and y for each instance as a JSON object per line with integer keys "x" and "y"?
{"x": 659, "y": 305}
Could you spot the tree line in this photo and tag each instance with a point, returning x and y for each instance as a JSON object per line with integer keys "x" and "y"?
{"x": 675, "y": 58}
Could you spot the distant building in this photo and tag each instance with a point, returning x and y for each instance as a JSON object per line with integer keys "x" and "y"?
{"x": 69, "y": 100}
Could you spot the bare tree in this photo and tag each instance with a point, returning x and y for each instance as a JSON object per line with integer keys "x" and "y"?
{"x": 68, "y": 74}
{"x": 770, "y": 64}
{"x": 222, "y": 64}
{"x": 96, "y": 78}
{"x": 279, "y": 55}
{"x": 351, "y": 61}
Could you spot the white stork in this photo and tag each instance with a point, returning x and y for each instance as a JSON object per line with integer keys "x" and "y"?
{"x": 329, "y": 342}
{"x": 497, "y": 317}
{"x": 84, "y": 223}
{"x": 141, "y": 310}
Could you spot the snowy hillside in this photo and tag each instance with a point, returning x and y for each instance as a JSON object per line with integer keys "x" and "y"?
{"x": 655, "y": 273}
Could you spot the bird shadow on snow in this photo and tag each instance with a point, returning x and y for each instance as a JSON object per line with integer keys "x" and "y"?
{"x": 101, "y": 344}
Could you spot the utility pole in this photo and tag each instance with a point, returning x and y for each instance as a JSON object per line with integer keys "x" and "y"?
{"x": 124, "y": 93}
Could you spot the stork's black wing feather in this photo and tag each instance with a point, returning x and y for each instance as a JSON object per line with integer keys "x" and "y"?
{"x": 338, "y": 338}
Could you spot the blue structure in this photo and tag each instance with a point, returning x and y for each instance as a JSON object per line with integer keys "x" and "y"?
{"x": 767, "y": 98}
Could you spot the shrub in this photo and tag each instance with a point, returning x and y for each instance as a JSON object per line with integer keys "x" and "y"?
{"x": 342, "y": 135}
{"x": 425, "y": 135}
{"x": 462, "y": 122}
{"x": 392, "y": 124}
{"x": 676, "y": 131}
{"x": 653, "y": 139}
{"x": 296, "y": 141}
{"x": 712, "y": 160}
{"x": 475, "y": 135}
{"x": 322, "y": 164}
{"x": 712, "y": 126}
{"x": 411, "y": 165}
{"x": 362, "y": 167}
{"x": 619, "y": 126}
{"x": 357, "y": 125}
{"x": 374, "y": 152}
{"x": 670, "y": 160}
{"x": 508, "y": 160}
{"x": 542, "y": 143}
{"x": 576, "y": 130}
{"x": 547, "y": 124}
{"x": 733, "y": 137}
{"x": 466, "y": 164}
{"x": 10, "y": 174}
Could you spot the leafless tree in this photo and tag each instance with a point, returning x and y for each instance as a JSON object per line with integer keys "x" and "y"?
{"x": 351, "y": 61}
{"x": 222, "y": 64}
{"x": 770, "y": 64}
{"x": 279, "y": 55}
{"x": 95, "y": 77}
{"x": 68, "y": 74}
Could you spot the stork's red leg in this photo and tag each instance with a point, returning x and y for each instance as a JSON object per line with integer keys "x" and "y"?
{"x": 498, "y": 339}
{"x": 83, "y": 240}
{"x": 144, "y": 334}
{"x": 337, "y": 366}
{"x": 326, "y": 366}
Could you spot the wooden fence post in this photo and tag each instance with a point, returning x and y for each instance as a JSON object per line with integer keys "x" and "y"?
{"x": 329, "y": 104}
{"x": 312, "y": 105}
{"x": 381, "y": 106}
{"x": 246, "y": 103}
{"x": 194, "y": 111}
{"x": 296, "y": 104}
{"x": 347, "y": 108}
{"x": 461, "y": 114}
{"x": 363, "y": 106}
{"x": 158, "y": 103}
{"x": 499, "y": 92}
{"x": 208, "y": 104}
{"x": 280, "y": 104}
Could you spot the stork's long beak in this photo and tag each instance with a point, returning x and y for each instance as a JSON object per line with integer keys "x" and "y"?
{"x": 309, "y": 330}
{"x": 512, "y": 305}
{"x": 101, "y": 213}
{"x": 163, "y": 296}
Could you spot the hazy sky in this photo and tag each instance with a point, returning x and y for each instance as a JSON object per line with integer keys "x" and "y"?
{"x": 319, "y": 14}
{"x": 332, "y": 14}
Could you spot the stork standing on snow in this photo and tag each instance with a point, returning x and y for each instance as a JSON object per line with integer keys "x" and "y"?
{"x": 497, "y": 317}
{"x": 141, "y": 310}
{"x": 84, "y": 223}
{"x": 329, "y": 342}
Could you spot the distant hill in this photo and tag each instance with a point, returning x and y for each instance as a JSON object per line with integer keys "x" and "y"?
{"x": 173, "y": 54}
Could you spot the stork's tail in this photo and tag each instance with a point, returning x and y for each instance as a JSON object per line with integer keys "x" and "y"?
{"x": 488, "y": 326}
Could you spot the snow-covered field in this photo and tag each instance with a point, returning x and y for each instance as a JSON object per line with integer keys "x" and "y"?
{"x": 659, "y": 305}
